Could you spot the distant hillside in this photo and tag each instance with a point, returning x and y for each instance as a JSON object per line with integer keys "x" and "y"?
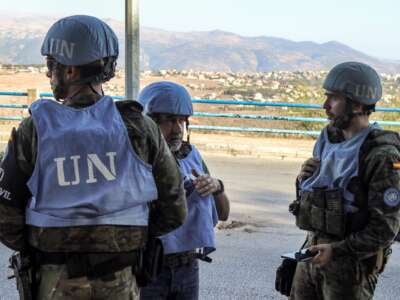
{"x": 21, "y": 37}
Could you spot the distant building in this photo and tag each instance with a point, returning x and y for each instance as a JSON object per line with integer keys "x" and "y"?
{"x": 259, "y": 97}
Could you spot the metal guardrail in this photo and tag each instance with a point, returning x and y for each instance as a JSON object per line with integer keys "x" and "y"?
{"x": 20, "y": 94}
{"x": 280, "y": 104}
{"x": 229, "y": 115}
{"x": 22, "y": 106}
{"x": 255, "y": 129}
{"x": 259, "y": 117}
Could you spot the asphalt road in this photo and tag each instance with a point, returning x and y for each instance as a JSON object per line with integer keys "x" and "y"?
{"x": 244, "y": 264}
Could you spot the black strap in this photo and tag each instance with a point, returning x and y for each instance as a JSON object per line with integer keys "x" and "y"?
{"x": 203, "y": 257}
{"x": 92, "y": 265}
{"x": 305, "y": 242}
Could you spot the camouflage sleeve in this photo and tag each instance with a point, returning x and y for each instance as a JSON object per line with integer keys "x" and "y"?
{"x": 169, "y": 211}
{"x": 14, "y": 194}
{"x": 383, "y": 182}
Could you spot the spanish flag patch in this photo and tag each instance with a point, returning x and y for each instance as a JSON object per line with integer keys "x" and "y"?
{"x": 396, "y": 165}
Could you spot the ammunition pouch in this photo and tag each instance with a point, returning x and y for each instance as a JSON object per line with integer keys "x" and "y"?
{"x": 335, "y": 216}
{"x": 303, "y": 218}
{"x": 323, "y": 211}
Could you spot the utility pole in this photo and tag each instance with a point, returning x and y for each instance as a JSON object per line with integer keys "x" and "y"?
{"x": 132, "y": 49}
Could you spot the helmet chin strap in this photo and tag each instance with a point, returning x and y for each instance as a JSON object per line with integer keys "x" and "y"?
{"x": 187, "y": 131}
{"x": 96, "y": 92}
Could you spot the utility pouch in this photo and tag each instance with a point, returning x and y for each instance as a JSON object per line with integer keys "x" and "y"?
{"x": 284, "y": 276}
{"x": 335, "y": 222}
{"x": 303, "y": 218}
{"x": 318, "y": 210}
{"x": 151, "y": 262}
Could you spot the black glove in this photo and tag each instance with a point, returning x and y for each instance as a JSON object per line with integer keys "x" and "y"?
{"x": 284, "y": 276}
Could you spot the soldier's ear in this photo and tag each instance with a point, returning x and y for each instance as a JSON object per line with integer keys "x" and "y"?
{"x": 72, "y": 73}
{"x": 357, "y": 107}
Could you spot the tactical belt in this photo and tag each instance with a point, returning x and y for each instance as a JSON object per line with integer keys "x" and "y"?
{"x": 179, "y": 259}
{"x": 91, "y": 265}
{"x": 184, "y": 258}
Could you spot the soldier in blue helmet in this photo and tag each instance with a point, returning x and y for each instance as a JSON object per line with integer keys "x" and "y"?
{"x": 170, "y": 106}
{"x": 348, "y": 193}
{"x": 81, "y": 176}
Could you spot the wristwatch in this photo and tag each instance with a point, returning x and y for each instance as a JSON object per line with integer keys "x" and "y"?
{"x": 221, "y": 188}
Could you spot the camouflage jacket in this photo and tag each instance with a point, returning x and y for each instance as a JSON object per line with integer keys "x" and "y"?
{"x": 166, "y": 213}
{"x": 378, "y": 176}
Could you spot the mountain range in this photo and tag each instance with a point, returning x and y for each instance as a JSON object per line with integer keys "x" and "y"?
{"x": 21, "y": 38}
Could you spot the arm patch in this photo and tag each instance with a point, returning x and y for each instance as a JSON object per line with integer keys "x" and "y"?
{"x": 13, "y": 188}
{"x": 391, "y": 197}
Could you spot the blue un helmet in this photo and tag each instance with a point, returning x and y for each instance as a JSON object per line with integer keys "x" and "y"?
{"x": 80, "y": 40}
{"x": 356, "y": 81}
{"x": 165, "y": 97}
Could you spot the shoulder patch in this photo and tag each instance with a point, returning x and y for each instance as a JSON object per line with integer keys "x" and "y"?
{"x": 396, "y": 165}
{"x": 391, "y": 197}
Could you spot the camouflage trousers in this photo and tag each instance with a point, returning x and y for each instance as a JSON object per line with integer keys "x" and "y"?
{"x": 343, "y": 278}
{"x": 55, "y": 285}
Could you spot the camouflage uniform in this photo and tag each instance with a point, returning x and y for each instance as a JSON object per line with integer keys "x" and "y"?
{"x": 358, "y": 259}
{"x": 167, "y": 212}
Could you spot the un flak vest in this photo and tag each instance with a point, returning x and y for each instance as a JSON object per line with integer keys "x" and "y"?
{"x": 198, "y": 228}
{"x": 86, "y": 171}
{"x": 339, "y": 163}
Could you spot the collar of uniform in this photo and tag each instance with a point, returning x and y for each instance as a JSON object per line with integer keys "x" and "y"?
{"x": 82, "y": 100}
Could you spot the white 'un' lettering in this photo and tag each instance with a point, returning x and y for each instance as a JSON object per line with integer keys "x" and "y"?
{"x": 93, "y": 161}
{"x": 62, "y": 48}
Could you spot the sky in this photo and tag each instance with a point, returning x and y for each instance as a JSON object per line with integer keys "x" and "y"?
{"x": 370, "y": 26}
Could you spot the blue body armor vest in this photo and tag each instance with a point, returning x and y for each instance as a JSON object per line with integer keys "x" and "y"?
{"x": 339, "y": 164}
{"x": 198, "y": 229}
{"x": 86, "y": 171}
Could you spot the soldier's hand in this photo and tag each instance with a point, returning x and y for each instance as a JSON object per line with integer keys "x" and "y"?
{"x": 308, "y": 168}
{"x": 206, "y": 185}
{"x": 324, "y": 255}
